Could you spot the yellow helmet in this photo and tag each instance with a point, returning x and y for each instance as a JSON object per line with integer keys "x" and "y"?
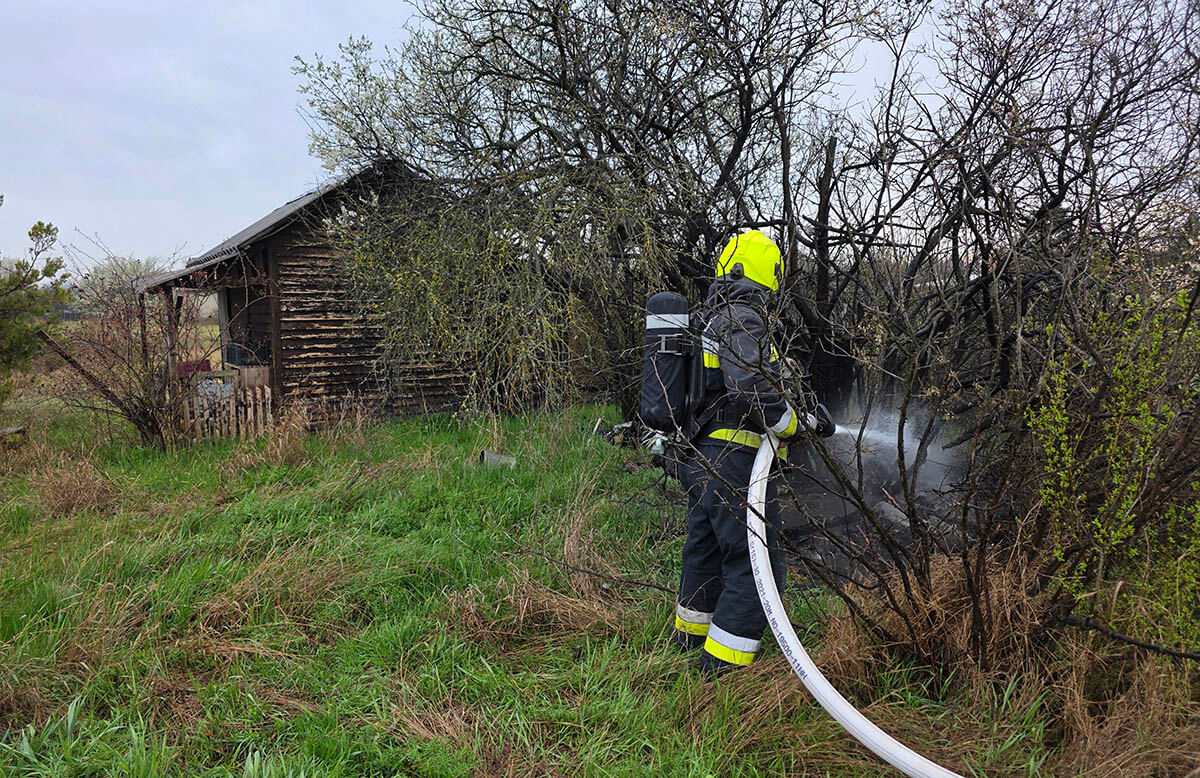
{"x": 752, "y": 255}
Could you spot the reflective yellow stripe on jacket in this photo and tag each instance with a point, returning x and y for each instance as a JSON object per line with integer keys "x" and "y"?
{"x": 743, "y": 438}
{"x": 787, "y": 425}
{"x": 712, "y": 360}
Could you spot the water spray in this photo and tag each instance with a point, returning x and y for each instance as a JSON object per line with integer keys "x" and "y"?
{"x": 879, "y": 742}
{"x": 876, "y": 437}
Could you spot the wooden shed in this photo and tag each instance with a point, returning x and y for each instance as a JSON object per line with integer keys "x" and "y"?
{"x": 288, "y": 321}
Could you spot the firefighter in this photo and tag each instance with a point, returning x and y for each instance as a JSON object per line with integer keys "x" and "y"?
{"x": 718, "y": 609}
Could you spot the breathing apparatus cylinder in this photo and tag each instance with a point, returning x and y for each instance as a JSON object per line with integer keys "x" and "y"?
{"x": 666, "y": 360}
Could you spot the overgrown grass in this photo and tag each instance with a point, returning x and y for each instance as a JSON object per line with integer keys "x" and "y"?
{"x": 364, "y": 604}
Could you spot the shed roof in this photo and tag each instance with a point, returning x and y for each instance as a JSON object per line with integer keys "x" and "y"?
{"x": 275, "y": 221}
{"x": 263, "y": 227}
{"x": 233, "y": 245}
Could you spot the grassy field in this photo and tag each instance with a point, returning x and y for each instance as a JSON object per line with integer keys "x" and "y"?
{"x": 367, "y": 603}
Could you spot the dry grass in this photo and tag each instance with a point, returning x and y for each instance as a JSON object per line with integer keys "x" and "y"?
{"x": 1111, "y": 712}
{"x": 775, "y": 702}
{"x": 776, "y": 709}
{"x": 288, "y": 585}
{"x": 492, "y": 431}
{"x": 262, "y": 613}
{"x": 284, "y": 443}
{"x": 450, "y": 720}
{"x": 173, "y": 699}
{"x": 938, "y": 625}
{"x": 426, "y": 459}
{"x": 529, "y": 616}
{"x": 1151, "y": 728}
{"x": 25, "y": 457}
{"x": 457, "y": 723}
{"x": 579, "y": 542}
{"x": 503, "y": 759}
{"x": 20, "y": 704}
{"x": 65, "y": 485}
{"x": 291, "y": 583}
{"x": 344, "y": 424}
{"x": 115, "y": 621}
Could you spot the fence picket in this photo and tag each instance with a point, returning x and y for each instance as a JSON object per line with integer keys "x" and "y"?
{"x": 243, "y": 413}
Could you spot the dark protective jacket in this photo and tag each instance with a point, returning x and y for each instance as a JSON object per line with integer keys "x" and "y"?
{"x": 718, "y": 607}
{"x": 741, "y": 367}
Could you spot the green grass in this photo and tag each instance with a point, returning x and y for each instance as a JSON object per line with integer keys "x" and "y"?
{"x": 362, "y": 605}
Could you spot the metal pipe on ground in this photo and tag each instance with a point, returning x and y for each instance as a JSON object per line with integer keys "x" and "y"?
{"x": 495, "y": 459}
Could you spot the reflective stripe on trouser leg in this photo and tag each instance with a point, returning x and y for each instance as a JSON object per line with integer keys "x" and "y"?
{"x": 729, "y": 647}
{"x": 691, "y": 621}
{"x": 737, "y": 613}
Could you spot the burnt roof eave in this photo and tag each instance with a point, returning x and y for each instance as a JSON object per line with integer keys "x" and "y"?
{"x": 170, "y": 278}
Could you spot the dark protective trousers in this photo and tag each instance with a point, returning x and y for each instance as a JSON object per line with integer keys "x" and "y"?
{"x": 718, "y": 600}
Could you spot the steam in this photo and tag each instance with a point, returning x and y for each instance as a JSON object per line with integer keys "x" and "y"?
{"x": 875, "y": 441}
{"x": 827, "y": 522}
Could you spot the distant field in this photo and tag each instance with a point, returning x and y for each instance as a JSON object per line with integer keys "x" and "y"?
{"x": 362, "y": 604}
{"x": 208, "y": 343}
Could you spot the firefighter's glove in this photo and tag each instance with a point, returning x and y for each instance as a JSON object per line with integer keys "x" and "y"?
{"x": 825, "y": 426}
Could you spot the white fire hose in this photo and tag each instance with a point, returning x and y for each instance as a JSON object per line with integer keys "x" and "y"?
{"x": 881, "y": 743}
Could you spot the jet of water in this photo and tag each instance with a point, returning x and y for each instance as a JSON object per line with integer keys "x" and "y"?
{"x": 872, "y": 436}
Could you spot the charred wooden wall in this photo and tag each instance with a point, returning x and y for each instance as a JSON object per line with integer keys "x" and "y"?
{"x": 325, "y": 354}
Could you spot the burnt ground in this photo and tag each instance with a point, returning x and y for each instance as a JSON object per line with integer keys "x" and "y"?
{"x": 825, "y": 532}
{"x": 825, "y": 535}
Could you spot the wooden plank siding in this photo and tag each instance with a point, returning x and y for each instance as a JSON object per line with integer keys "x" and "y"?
{"x": 326, "y": 353}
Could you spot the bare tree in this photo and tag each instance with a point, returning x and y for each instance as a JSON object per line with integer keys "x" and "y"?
{"x": 1011, "y": 251}
{"x": 123, "y": 352}
{"x": 610, "y": 147}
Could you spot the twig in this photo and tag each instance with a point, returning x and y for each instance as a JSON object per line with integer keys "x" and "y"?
{"x": 1090, "y": 624}
{"x": 87, "y": 375}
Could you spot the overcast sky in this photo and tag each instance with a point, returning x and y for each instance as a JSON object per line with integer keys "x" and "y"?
{"x": 164, "y": 128}
{"x": 161, "y": 127}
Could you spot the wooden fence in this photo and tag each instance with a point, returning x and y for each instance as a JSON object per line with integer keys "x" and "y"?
{"x": 240, "y": 412}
